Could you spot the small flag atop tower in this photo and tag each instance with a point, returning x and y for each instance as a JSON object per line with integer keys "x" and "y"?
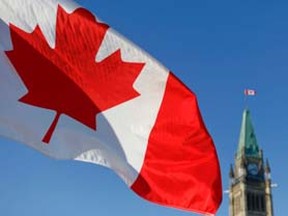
{"x": 250, "y": 92}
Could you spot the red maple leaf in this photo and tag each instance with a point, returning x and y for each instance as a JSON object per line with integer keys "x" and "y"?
{"x": 67, "y": 79}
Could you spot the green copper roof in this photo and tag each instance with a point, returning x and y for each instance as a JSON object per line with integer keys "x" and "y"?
{"x": 247, "y": 140}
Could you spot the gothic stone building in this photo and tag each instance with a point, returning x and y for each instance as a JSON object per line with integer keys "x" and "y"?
{"x": 250, "y": 182}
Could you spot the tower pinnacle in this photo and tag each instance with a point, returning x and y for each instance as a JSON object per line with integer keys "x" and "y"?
{"x": 247, "y": 140}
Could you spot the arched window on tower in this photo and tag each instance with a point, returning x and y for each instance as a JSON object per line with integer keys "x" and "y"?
{"x": 262, "y": 203}
{"x": 249, "y": 202}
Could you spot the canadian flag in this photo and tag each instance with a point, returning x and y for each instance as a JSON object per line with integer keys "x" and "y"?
{"x": 250, "y": 92}
{"x": 73, "y": 88}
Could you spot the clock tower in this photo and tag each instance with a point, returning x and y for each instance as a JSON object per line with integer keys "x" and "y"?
{"x": 250, "y": 182}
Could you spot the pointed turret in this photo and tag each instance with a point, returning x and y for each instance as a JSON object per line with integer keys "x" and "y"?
{"x": 247, "y": 146}
{"x": 267, "y": 167}
{"x": 267, "y": 170}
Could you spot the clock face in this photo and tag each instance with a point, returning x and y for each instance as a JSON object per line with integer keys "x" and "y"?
{"x": 253, "y": 169}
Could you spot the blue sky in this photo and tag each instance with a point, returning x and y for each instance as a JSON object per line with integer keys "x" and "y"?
{"x": 217, "y": 48}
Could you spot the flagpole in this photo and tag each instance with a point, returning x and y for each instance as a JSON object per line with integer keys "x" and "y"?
{"x": 245, "y": 101}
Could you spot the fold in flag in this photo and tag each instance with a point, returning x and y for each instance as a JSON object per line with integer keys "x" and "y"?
{"x": 250, "y": 92}
{"x": 73, "y": 88}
